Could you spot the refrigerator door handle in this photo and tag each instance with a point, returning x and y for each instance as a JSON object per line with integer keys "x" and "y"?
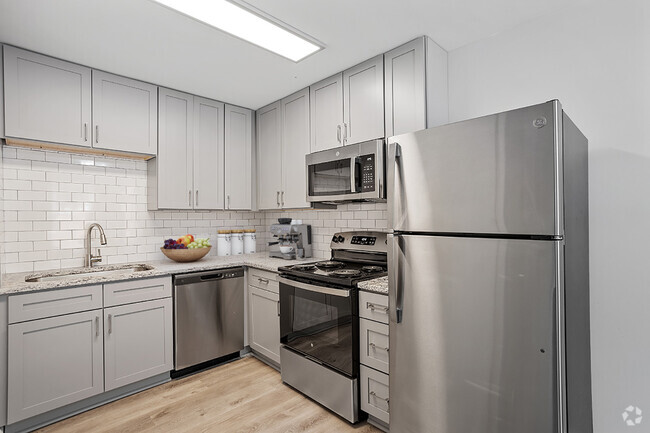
{"x": 395, "y": 289}
{"x": 394, "y": 174}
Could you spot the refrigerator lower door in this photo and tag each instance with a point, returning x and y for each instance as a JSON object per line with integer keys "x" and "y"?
{"x": 475, "y": 347}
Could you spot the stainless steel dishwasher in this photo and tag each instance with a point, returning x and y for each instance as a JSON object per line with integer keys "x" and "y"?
{"x": 208, "y": 316}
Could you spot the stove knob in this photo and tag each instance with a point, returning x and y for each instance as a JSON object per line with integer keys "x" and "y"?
{"x": 335, "y": 239}
{"x": 340, "y": 239}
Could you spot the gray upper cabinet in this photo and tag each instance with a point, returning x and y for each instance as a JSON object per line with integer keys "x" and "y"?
{"x": 295, "y": 146}
{"x": 415, "y": 87}
{"x": 406, "y": 108}
{"x": 138, "y": 342}
{"x": 269, "y": 156}
{"x": 46, "y": 99}
{"x": 282, "y": 143}
{"x": 189, "y": 170}
{"x": 208, "y": 155}
{"x": 175, "y": 145}
{"x": 124, "y": 114}
{"x": 2, "y": 94}
{"x": 54, "y": 362}
{"x": 239, "y": 157}
{"x": 363, "y": 101}
{"x": 326, "y": 110}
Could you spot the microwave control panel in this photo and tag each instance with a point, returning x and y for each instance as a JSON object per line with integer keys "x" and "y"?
{"x": 367, "y": 163}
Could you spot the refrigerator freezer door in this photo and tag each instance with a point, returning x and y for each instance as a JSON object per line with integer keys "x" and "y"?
{"x": 495, "y": 174}
{"x": 475, "y": 350}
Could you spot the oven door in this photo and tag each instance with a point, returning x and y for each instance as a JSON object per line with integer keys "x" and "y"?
{"x": 321, "y": 323}
{"x": 354, "y": 172}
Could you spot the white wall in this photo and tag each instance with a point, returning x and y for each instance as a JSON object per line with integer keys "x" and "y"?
{"x": 596, "y": 61}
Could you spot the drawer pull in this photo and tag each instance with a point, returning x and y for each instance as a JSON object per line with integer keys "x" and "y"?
{"x": 372, "y": 393}
{"x": 263, "y": 280}
{"x": 374, "y": 346}
{"x": 374, "y": 307}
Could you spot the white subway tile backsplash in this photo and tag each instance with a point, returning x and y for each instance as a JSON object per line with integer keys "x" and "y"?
{"x": 50, "y": 198}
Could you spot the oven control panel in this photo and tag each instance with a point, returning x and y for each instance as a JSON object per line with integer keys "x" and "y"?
{"x": 367, "y": 163}
{"x": 360, "y": 241}
{"x": 363, "y": 240}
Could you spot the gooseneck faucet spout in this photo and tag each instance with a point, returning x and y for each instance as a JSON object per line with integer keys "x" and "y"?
{"x": 90, "y": 258}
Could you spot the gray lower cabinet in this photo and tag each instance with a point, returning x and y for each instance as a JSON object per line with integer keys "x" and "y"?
{"x": 53, "y": 362}
{"x": 138, "y": 342}
{"x": 374, "y": 350}
{"x": 264, "y": 314}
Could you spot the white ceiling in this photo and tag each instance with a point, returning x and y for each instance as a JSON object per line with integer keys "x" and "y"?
{"x": 143, "y": 40}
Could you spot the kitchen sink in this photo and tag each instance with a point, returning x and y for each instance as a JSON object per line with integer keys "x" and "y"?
{"x": 100, "y": 271}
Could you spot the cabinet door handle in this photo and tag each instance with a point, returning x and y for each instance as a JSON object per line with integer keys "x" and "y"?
{"x": 277, "y": 198}
{"x": 345, "y": 132}
{"x": 96, "y": 326}
{"x": 374, "y": 346}
{"x": 96, "y": 133}
{"x": 373, "y": 307}
{"x": 85, "y": 132}
{"x": 228, "y": 206}
{"x": 110, "y": 323}
{"x": 338, "y": 133}
{"x": 196, "y": 200}
{"x": 372, "y": 393}
{"x": 278, "y": 304}
{"x": 282, "y": 199}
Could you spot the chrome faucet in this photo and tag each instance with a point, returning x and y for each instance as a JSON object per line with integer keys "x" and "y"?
{"x": 90, "y": 258}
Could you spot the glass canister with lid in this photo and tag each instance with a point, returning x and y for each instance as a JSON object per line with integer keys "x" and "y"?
{"x": 224, "y": 241}
{"x": 250, "y": 241}
{"x": 237, "y": 243}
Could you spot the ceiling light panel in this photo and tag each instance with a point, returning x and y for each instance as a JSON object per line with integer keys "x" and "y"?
{"x": 249, "y": 26}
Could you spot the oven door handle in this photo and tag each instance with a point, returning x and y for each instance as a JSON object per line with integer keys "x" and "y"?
{"x": 343, "y": 293}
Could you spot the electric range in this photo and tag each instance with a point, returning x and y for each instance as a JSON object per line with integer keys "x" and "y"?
{"x": 319, "y": 320}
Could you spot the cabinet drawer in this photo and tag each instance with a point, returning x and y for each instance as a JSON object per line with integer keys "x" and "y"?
{"x": 263, "y": 279}
{"x": 128, "y": 292}
{"x": 373, "y": 343}
{"x": 374, "y": 393}
{"x": 51, "y": 303}
{"x": 373, "y": 306}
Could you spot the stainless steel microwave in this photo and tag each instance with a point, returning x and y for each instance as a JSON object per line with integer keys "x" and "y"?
{"x": 349, "y": 173}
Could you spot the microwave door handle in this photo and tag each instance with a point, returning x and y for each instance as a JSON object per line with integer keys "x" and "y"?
{"x": 353, "y": 173}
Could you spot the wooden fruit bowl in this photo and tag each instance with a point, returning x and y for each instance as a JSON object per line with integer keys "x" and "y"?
{"x": 183, "y": 256}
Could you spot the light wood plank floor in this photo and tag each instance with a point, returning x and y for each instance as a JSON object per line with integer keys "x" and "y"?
{"x": 242, "y": 396}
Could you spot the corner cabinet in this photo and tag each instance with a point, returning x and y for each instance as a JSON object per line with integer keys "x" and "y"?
{"x": 125, "y": 114}
{"x": 46, "y": 99}
{"x": 415, "y": 87}
{"x": 238, "y": 158}
{"x": 282, "y": 144}
{"x": 189, "y": 170}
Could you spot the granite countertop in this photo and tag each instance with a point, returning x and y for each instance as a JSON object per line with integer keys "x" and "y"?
{"x": 15, "y": 283}
{"x": 378, "y": 285}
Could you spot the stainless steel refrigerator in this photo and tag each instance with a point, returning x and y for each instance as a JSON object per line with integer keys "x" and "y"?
{"x": 489, "y": 276}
